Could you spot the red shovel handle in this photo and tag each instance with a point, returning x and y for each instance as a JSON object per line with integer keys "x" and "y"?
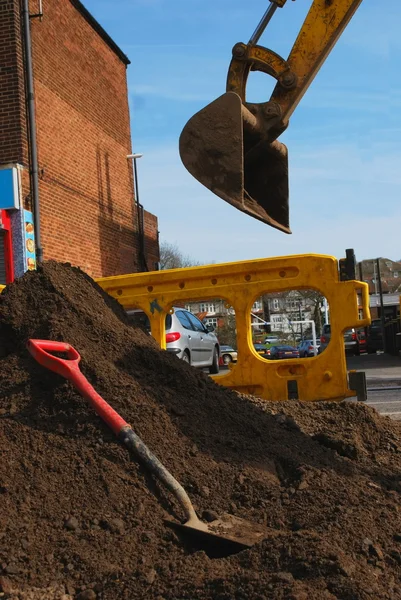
{"x": 40, "y": 350}
{"x": 69, "y": 369}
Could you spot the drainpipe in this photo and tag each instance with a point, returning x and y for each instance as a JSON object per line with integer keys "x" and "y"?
{"x": 34, "y": 171}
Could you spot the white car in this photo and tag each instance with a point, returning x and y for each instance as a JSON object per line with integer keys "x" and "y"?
{"x": 271, "y": 339}
{"x": 187, "y": 337}
{"x": 307, "y": 349}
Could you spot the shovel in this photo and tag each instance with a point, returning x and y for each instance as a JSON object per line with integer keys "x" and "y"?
{"x": 227, "y": 529}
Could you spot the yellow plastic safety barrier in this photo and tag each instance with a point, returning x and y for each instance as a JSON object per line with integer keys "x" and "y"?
{"x": 2, "y": 288}
{"x": 322, "y": 377}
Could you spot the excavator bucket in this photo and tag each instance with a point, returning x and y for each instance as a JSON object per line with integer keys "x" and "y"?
{"x": 224, "y": 148}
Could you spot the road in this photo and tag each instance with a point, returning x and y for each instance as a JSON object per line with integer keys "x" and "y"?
{"x": 386, "y": 402}
{"x": 383, "y": 375}
{"x": 382, "y": 371}
{"x": 385, "y": 399}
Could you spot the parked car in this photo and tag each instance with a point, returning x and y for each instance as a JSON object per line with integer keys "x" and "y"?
{"x": 279, "y": 352}
{"x": 374, "y": 340}
{"x": 363, "y": 342}
{"x": 351, "y": 340}
{"x": 227, "y": 355}
{"x": 306, "y": 348}
{"x": 186, "y": 337}
{"x": 271, "y": 339}
{"x": 260, "y": 348}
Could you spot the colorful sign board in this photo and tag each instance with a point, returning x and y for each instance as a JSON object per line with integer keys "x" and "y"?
{"x": 29, "y": 232}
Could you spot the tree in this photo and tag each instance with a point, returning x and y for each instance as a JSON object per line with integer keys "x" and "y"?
{"x": 172, "y": 258}
{"x": 294, "y": 306}
{"x": 227, "y": 333}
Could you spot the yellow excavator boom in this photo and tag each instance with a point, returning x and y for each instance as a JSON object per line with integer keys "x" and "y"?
{"x": 231, "y": 145}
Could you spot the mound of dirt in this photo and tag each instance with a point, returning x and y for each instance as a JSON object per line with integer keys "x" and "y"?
{"x": 80, "y": 519}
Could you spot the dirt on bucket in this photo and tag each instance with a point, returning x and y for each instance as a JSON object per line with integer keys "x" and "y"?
{"x": 81, "y": 520}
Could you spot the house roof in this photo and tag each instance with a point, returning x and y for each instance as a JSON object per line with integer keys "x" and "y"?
{"x": 369, "y": 262}
{"x": 99, "y": 29}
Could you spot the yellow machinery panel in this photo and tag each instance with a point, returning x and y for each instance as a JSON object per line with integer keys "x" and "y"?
{"x": 323, "y": 377}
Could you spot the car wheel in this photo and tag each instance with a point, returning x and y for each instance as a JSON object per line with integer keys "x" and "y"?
{"x": 186, "y": 358}
{"x": 227, "y": 359}
{"x": 214, "y": 367}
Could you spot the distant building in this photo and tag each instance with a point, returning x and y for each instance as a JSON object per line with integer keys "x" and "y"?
{"x": 284, "y": 311}
{"x": 390, "y": 276}
{"x": 390, "y": 272}
{"x": 88, "y": 213}
{"x": 211, "y": 312}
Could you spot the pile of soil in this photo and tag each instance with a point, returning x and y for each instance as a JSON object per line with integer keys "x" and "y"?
{"x": 81, "y": 519}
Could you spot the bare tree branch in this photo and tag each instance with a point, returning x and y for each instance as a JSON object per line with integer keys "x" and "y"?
{"x": 172, "y": 258}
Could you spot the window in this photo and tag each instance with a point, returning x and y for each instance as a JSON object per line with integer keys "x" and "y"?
{"x": 257, "y": 305}
{"x": 211, "y": 321}
{"x": 395, "y": 274}
{"x": 188, "y": 307}
{"x": 207, "y": 307}
{"x": 183, "y": 319}
{"x": 196, "y": 324}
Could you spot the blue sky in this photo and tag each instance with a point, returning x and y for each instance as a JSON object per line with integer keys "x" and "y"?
{"x": 344, "y": 138}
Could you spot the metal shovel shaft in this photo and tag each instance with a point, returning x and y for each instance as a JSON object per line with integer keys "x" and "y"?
{"x": 141, "y": 451}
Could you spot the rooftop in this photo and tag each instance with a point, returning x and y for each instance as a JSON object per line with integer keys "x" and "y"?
{"x": 99, "y": 29}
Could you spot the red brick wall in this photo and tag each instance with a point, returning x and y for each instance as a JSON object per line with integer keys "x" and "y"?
{"x": 13, "y": 145}
{"x": 151, "y": 240}
{"x": 83, "y": 132}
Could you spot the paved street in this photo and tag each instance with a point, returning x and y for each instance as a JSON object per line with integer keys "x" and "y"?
{"x": 380, "y": 369}
{"x": 383, "y": 376}
{"x": 386, "y": 402}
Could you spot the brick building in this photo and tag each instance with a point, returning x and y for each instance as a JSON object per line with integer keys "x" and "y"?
{"x": 88, "y": 213}
{"x": 390, "y": 275}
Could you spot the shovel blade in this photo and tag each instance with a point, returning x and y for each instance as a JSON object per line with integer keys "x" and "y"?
{"x": 242, "y": 168}
{"x": 227, "y": 530}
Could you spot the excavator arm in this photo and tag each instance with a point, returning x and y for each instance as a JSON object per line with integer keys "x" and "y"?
{"x": 231, "y": 145}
